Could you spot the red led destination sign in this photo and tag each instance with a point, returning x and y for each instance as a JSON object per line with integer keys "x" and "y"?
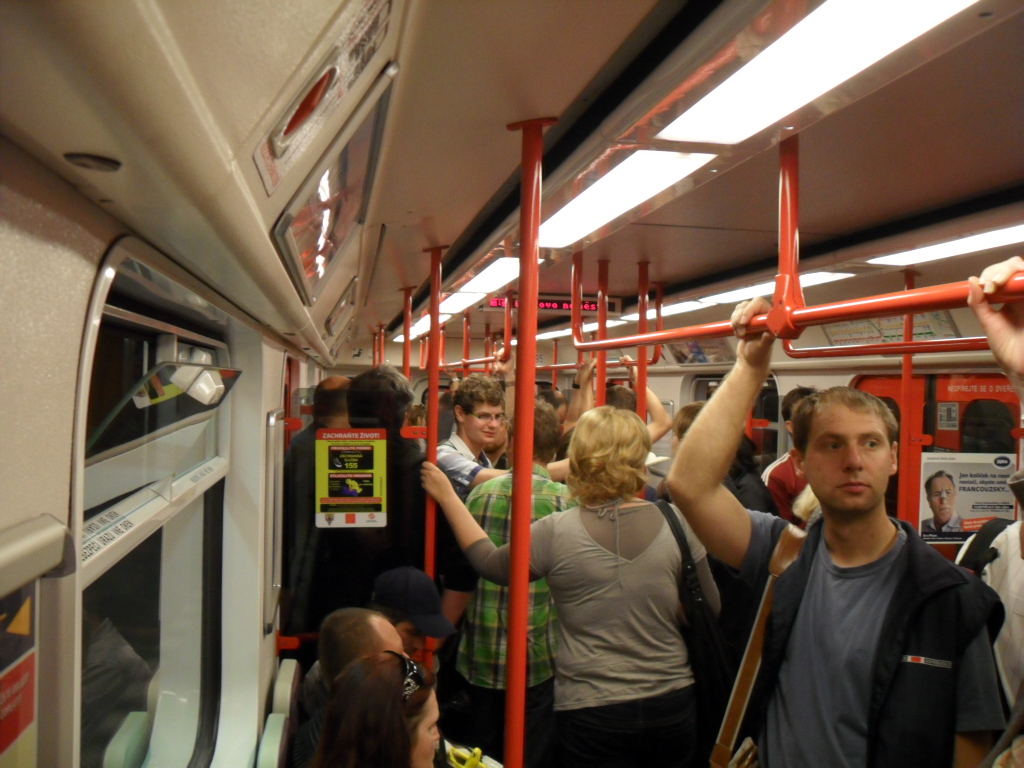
{"x": 559, "y": 304}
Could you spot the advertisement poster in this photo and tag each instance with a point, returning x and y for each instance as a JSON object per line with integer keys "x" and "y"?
{"x": 703, "y": 351}
{"x": 351, "y": 478}
{"x": 18, "y": 678}
{"x": 928, "y": 325}
{"x": 962, "y": 491}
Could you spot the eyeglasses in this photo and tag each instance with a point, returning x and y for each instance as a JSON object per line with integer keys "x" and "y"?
{"x": 487, "y": 418}
{"x": 412, "y": 675}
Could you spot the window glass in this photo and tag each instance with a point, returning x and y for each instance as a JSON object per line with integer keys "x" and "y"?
{"x": 163, "y": 396}
{"x": 151, "y": 642}
{"x": 986, "y": 428}
{"x": 120, "y": 648}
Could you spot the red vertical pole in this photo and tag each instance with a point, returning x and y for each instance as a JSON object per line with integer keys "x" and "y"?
{"x": 602, "y": 329}
{"x": 406, "y": 332}
{"x": 904, "y": 495}
{"x": 522, "y": 445}
{"x": 383, "y": 346}
{"x": 641, "y": 352}
{"x": 488, "y": 347}
{"x": 442, "y": 355}
{"x": 433, "y": 385}
{"x": 554, "y": 361}
{"x": 577, "y": 297}
{"x": 788, "y": 294}
{"x": 465, "y": 342}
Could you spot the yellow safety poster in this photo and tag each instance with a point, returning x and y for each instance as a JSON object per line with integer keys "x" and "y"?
{"x": 351, "y": 478}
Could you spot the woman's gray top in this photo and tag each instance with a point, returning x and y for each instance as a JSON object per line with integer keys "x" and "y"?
{"x": 614, "y": 574}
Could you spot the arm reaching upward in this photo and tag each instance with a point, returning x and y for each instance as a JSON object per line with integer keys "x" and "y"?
{"x": 661, "y": 422}
{"x": 709, "y": 447}
{"x": 583, "y": 400}
{"x": 1004, "y": 327}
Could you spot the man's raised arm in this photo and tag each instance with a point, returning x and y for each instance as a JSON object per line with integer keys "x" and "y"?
{"x": 1004, "y": 327}
{"x": 709, "y": 447}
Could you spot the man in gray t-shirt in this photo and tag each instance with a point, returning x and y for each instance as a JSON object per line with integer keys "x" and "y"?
{"x": 876, "y": 651}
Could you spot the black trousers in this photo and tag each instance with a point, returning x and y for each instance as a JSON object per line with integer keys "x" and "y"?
{"x": 659, "y": 731}
{"x": 487, "y": 723}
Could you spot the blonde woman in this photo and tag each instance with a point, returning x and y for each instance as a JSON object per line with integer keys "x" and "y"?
{"x": 623, "y": 683}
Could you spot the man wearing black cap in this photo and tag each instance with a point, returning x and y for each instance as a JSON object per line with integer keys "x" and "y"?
{"x": 409, "y": 600}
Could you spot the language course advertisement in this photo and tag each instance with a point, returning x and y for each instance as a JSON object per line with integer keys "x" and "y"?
{"x": 351, "y": 478}
{"x": 962, "y": 491}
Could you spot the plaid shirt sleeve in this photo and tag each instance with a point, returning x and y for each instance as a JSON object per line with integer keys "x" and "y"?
{"x": 482, "y": 653}
{"x": 459, "y": 469}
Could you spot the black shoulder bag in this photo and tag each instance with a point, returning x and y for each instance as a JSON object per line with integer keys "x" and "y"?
{"x": 713, "y": 669}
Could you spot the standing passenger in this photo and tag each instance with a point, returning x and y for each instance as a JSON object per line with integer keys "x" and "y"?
{"x": 781, "y": 477}
{"x": 877, "y": 651}
{"x": 479, "y": 405}
{"x": 482, "y": 650}
{"x": 623, "y": 684}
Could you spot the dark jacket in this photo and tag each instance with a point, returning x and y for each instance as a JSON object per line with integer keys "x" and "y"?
{"x": 937, "y": 609}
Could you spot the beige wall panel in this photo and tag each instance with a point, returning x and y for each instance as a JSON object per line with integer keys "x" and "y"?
{"x": 51, "y": 243}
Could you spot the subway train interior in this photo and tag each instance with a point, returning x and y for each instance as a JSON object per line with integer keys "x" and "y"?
{"x": 207, "y": 208}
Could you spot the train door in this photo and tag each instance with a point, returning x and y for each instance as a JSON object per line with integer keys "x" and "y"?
{"x": 963, "y": 441}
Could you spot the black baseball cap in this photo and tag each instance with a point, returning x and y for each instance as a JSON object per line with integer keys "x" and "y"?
{"x": 412, "y": 592}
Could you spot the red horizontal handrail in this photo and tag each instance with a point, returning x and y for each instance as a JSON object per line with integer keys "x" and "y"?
{"x": 969, "y": 344}
{"x": 946, "y": 296}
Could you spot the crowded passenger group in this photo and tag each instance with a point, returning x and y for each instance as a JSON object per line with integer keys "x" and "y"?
{"x": 857, "y": 643}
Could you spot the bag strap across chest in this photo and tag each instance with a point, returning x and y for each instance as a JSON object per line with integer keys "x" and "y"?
{"x": 786, "y": 551}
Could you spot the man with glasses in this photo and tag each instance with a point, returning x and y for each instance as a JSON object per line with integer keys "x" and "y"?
{"x": 940, "y": 491}
{"x": 479, "y": 405}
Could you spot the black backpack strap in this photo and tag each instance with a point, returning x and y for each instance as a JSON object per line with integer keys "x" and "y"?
{"x": 689, "y": 591}
{"x": 981, "y": 552}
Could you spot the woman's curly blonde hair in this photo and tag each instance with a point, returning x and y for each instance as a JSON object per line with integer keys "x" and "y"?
{"x": 607, "y": 456}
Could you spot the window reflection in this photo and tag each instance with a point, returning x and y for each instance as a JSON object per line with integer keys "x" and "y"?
{"x": 120, "y": 647}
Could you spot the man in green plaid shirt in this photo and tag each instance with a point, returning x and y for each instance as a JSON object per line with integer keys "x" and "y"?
{"x": 484, "y": 638}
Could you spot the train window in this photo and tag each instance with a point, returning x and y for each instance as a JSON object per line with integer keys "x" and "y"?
{"x": 120, "y": 647}
{"x": 986, "y": 428}
{"x": 151, "y": 643}
{"x": 163, "y": 396}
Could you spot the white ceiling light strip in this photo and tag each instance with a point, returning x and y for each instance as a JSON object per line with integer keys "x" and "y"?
{"x": 498, "y": 274}
{"x": 420, "y": 327}
{"x": 459, "y": 301}
{"x": 767, "y": 289}
{"x": 668, "y": 310}
{"x": 971, "y": 244}
{"x": 831, "y": 45}
{"x": 635, "y": 180}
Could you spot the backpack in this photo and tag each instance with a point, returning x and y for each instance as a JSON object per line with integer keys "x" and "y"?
{"x": 981, "y": 552}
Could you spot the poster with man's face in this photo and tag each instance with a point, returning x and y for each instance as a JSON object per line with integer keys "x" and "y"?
{"x": 962, "y": 491}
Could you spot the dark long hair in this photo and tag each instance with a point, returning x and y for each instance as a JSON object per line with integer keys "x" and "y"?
{"x": 368, "y": 723}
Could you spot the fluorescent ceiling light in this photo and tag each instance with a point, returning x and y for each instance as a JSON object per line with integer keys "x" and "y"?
{"x": 554, "y": 334}
{"x": 588, "y": 327}
{"x": 668, "y": 310}
{"x": 834, "y": 43}
{"x": 422, "y": 325}
{"x": 498, "y": 274}
{"x": 767, "y": 289}
{"x": 636, "y": 179}
{"x": 971, "y": 244}
{"x": 459, "y": 301}
{"x": 399, "y": 338}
